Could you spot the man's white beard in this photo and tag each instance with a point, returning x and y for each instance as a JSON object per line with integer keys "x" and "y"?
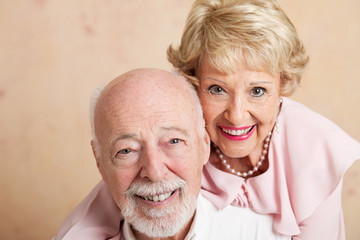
{"x": 165, "y": 222}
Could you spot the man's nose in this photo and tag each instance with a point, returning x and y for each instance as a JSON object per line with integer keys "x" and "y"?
{"x": 235, "y": 111}
{"x": 153, "y": 165}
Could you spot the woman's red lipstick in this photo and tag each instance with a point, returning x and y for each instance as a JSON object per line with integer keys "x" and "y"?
{"x": 235, "y": 134}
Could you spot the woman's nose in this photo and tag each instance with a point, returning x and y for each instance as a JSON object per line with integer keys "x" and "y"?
{"x": 235, "y": 111}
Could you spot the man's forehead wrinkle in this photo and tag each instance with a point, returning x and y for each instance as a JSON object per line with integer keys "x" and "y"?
{"x": 182, "y": 130}
{"x": 151, "y": 120}
{"x": 139, "y": 113}
{"x": 129, "y": 121}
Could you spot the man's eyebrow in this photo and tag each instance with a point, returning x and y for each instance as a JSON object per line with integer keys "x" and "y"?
{"x": 120, "y": 137}
{"x": 177, "y": 129}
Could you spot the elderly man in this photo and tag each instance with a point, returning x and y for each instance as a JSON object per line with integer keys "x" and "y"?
{"x": 150, "y": 145}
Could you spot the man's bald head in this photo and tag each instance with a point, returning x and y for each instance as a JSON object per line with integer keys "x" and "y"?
{"x": 144, "y": 87}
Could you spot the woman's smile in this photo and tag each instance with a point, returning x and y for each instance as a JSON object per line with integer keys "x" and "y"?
{"x": 237, "y": 134}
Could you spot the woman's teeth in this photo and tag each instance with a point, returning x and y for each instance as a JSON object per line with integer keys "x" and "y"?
{"x": 237, "y": 132}
{"x": 158, "y": 198}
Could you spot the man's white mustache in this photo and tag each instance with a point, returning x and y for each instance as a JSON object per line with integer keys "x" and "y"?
{"x": 145, "y": 189}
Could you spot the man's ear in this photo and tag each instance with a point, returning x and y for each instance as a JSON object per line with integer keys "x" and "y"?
{"x": 207, "y": 147}
{"x": 96, "y": 153}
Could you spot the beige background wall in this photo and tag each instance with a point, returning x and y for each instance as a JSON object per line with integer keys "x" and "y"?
{"x": 53, "y": 53}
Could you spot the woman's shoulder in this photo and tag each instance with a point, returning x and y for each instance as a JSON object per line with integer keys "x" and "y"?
{"x": 312, "y": 154}
{"x": 298, "y": 119}
{"x": 307, "y": 141}
{"x": 297, "y": 114}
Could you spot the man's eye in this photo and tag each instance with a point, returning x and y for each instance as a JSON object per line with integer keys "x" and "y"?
{"x": 258, "y": 91}
{"x": 174, "y": 141}
{"x": 215, "y": 89}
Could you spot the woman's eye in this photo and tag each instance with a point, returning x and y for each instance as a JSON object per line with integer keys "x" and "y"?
{"x": 215, "y": 89}
{"x": 258, "y": 91}
{"x": 124, "y": 151}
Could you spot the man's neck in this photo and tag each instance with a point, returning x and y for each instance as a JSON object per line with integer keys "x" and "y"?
{"x": 179, "y": 236}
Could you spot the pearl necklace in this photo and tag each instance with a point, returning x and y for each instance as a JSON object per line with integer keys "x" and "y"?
{"x": 250, "y": 172}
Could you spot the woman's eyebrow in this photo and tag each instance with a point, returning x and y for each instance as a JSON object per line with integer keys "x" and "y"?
{"x": 261, "y": 82}
{"x": 215, "y": 79}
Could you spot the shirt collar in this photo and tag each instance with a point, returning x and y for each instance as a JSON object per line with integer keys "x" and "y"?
{"x": 127, "y": 232}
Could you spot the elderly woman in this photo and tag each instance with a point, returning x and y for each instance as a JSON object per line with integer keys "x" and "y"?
{"x": 269, "y": 153}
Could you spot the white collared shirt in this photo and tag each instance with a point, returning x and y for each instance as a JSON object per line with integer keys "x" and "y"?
{"x": 230, "y": 223}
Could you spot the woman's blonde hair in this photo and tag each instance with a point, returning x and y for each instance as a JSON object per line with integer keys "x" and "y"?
{"x": 257, "y": 32}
